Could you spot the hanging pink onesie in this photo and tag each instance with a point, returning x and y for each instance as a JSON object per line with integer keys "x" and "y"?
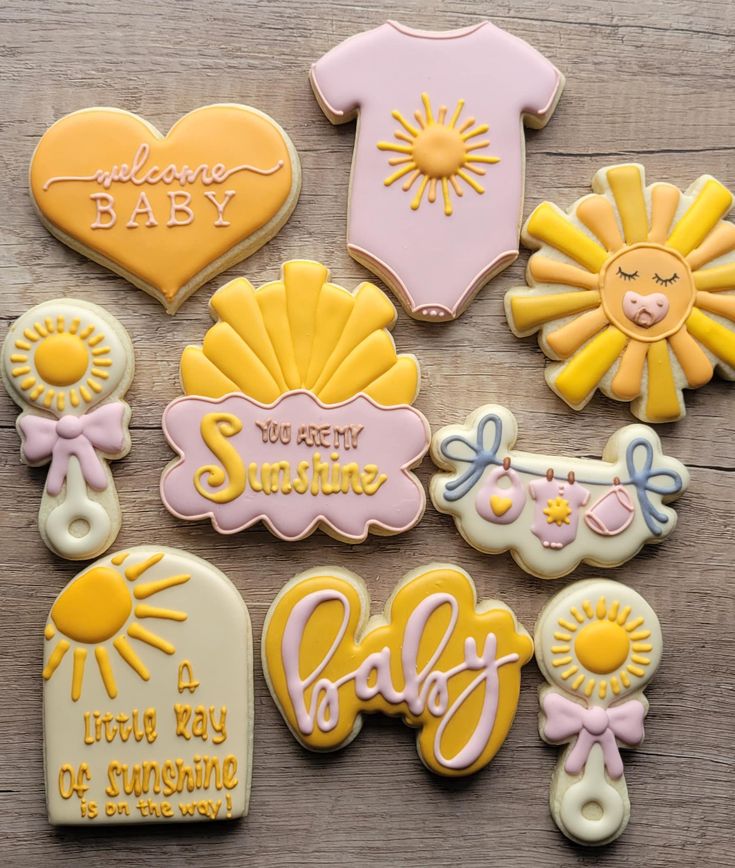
{"x": 556, "y": 514}
{"x": 437, "y": 176}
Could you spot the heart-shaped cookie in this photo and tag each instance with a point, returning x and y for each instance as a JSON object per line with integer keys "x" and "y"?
{"x": 166, "y": 212}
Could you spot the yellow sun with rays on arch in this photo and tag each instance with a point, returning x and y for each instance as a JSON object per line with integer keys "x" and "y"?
{"x": 60, "y": 366}
{"x": 99, "y": 608}
{"x": 601, "y": 648}
{"x": 632, "y": 291}
{"x": 437, "y": 152}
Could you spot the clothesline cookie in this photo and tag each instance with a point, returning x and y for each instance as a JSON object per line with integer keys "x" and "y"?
{"x": 67, "y": 364}
{"x": 598, "y": 643}
{"x": 632, "y": 291}
{"x": 297, "y": 413}
{"x": 448, "y": 665}
{"x": 554, "y": 512}
{"x": 148, "y": 694}
{"x": 168, "y": 213}
{"x": 436, "y": 191}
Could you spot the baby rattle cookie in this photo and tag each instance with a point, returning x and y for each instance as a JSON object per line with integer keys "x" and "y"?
{"x": 632, "y": 291}
{"x": 168, "y": 213}
{"x": 297, "y": 413}
{"x": 67, "y": 364}
{"x": 148, "y": 693}
{"x": 436, "y": 191}
{"x": 598, "y": 644}
{"x": 448, "y": 665}
{"x": 553, "y": 512}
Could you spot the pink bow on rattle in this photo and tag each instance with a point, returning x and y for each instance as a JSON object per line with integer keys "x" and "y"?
{"x": 595, "y": 725}
{"x": 79, "y": 436}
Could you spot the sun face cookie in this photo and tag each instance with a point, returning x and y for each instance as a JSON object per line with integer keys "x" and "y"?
{"x": 632, "y": 291}
{"x": 148, "y": 694}
{"x": 447, "y": 665}
{"x": 170, "y": 212}
{"x": 297, "y": 413}
{"x": 598, "y": 643}
{"x": 436, "y": 192}
{"x": 553, "y": 512}
{"x": 67, "y": 364}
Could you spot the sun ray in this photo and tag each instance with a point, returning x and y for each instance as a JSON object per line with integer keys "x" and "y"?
{"x": 567, "y": 625}
{"x": 476, "y": 169}
{"x": 562, "y": 637}
{"x": 409, "y": 182}
{"x": 49, "y": 631}
{"x": 569, "y": 672}
{"x": 142, "y": 592}
{"x": 693, "y": 360}
{"x": 427, "y": 107}
{"x": 55, "y": 658}
{"x": 590, "y": 686}
{"x": 625, "y": 678}
{"x": 720, "y": 241}
{"x": 419, "y": 119}
{"x": 478, "y": 131}
{"x": 466, "y": 124}
{"x": 626, "y": 384}
{"x": 626, "y": 184}
{"x": 400, "y": 173}
{"x": 623, "y": 616}
{"x": 442, "y": 116}
{"x": 122, "y": 646}
{"x": 399, "y": 161}
{"x": 723, "y": 305}
{"x": 136, "y": 570}
{"x": 664, "y": 202}
{"x": 419, "y": 194}
{"x": 663, "y": 398}
{"x": 457, "y": 188}
{"x": 565, "y": 341}
{"x": 144, "y": 611}
{"x": 399, "y": 134}
{"x": 136, "y": 631}
{"x": 396, "y": 115}
{"x": 482, "y": 159}
{"x": 105, "y": 668}
{"x": 432, "y": 190}
{"x": 578, "y": 681}
{"x": 635, "y": 670}
{"x": 713, "y": 201}
{"x": 717, "y": 338}
{"x": 581, "y": 374}
{"x": 471, "y": 181}
{"x": 589, "y": 611}
{"x": 562, "y": 661}
{"x": 721, "y": 277}
{"x": 549, "y": 225}
{"x": 615, "y": 685}
{"x": 445, "y": 196}
{"x": 399, "y": 149}
{"x": 602, "y": 690}
{"x": 457, "y": 113}
{"x": 77, "y": 678}
{"x": 598, "y": 216}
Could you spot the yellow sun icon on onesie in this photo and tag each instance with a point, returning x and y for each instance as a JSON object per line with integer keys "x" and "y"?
{"x": 438, "y": 153}
{"x": 99, "y": 609}
{"x": 601, "y": 647}
{"x": 632, "y": 291}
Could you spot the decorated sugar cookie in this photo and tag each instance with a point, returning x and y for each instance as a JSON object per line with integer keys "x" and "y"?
{"x": 67, "y": 364}
{"x": 297, "y": 413}
{"x": 598, "y": 643}
{"x": 170, "y": 212}
{"x": 632, "y": 291}
{"x": 147, "y": 697}
{"x": 446, "y": 664}
{"x": 436, "y": 192}
{"x": 550, "y": 511}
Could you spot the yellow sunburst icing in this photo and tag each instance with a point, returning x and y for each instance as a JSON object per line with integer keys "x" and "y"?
{"x": 438, "y": 153}
{"x": 632, "y": 291}
{"x": 97, "y": 612}
{"x": 300, "y": 332}
{"x": 64, "y": 357}
{"x": 601, "y": 646}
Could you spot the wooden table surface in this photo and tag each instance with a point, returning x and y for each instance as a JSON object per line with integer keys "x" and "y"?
{"x": 649, "y": 80}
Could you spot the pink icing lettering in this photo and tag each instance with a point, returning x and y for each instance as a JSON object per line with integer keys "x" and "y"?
{"x": 180, "y": 201}
{"x": 104, "y": 203}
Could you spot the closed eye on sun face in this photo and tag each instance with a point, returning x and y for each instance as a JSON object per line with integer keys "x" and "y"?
{"x": 665, "y": 281}
{"x": 627, "y": 275}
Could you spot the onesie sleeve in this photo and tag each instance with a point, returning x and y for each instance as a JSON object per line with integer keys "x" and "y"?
{"x": 339, "y": 77}
{"x": 539, "y": 84}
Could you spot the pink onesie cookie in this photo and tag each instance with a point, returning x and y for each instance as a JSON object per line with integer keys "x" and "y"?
{"x": 437, "y": 180}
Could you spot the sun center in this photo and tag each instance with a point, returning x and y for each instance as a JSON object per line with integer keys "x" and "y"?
{"x": 602, "y": 646}
{"x": 94, "y": 606}
{"x": 439, "y": 151}
{"x": 61, "y": 359}
{"x": 647, "y": 291}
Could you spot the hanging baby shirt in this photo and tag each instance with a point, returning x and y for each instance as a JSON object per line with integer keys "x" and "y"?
{"x": 611, "y": 513}
{"x": 437, "y": 177}
{"x": 557, "y": 510}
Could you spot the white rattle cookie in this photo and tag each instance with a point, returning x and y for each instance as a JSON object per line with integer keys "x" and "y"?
{"x": 67, "y": 364}
{"x": 598, "y": 643}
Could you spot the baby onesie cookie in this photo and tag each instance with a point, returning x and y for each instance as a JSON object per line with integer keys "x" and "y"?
{"x": 436, "y": 192}
{"x": 448, "y": 665}
{"x": 598, "y": 643}
{"x": 168, "y": 213}
{"x": 553, "y": 512}
{"x": 148, "y": 693}
{"x": 66, "y": 364}
{"x": 297, "y": 413}
{"x": 632, "y": 291}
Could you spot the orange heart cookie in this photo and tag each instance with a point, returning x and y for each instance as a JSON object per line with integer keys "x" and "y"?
{"x": 170, "y": 212}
